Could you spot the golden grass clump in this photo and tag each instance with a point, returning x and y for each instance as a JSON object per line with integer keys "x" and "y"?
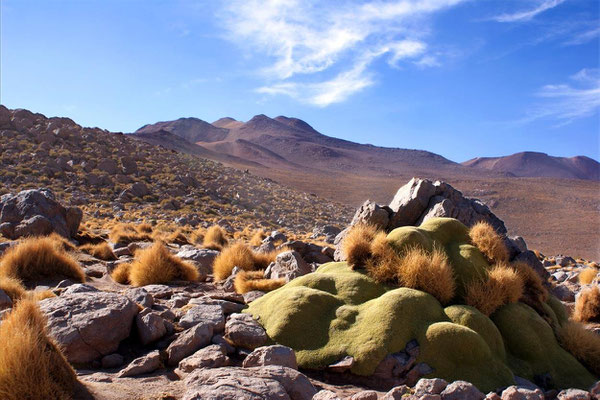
{"x": 37, "y": 258}
{"x": 215, "y": 238}
{"x": 238, "y": 255}
{"x": 357, "y": 244}
{"x": 257, "y": 238}
{"x": 534, "y": 292}
{"x": 587, "y": 275}
{"x": 384, "y": 261}
{"x": 144, "y": 228}
{"x": 156, "y": 264}
{"x": 121, "y": 273}
{"x": 504, "y": 285}
{"x": 31, "y": 364}
{"x": 587, "y": 306}
{"x": 427, "y": 271}
{"x": 198, "y": 236}
{"x": 12, "y": 287}
{"x": 246, "y": 281}
{"x": 128, "y": 233}
{"x": 489, "y": 242}
{"x": 102, "y": 251}
{"x": 583, "y": 344}
{"x": 177, "y": 237}
{"x": 61, "y": 242}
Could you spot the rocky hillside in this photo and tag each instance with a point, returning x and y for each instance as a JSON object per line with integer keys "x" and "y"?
{"x": 532, "y": 164}
{"x": 112, "y": 175}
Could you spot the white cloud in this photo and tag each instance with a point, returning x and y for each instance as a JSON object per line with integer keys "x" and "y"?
{"x": 567, "y": 102}
{"x": 303, "y": 41}
{"x": 529, "y": 14}
{"x": 584, "y": 37}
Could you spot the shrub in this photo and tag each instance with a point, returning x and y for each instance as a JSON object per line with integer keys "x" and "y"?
{"x": 12, "y": 287}
{"x": 427, "y": 271}
{"x": 61, "y": 242}
{"x": 37, "y": 258}
{"x": 583, "y": 344}
{"x": 587, "y": 275}
{"x": 215, "y": 238}
{"x": 144, "y": 228}
{"x": 357, "y": 244}
{"x": 156, "y": 264}
{"x": 198, "y": 236}
{"x": 127, "y": 233}
{"x": 121, "y": 273}
{"x": 587, "y": 306}
{"x": 534, "y": 292}
{"x": 31, "y": 364}
{"x": 246, "y": 281}
{"x": 384, "y": 261}
{"x": 504, "y": 285}
{"x": 257, "y": 238}
{"x": 489, "y": 242}
{"x": 177, "y": 237}
{"x": 238, "y": 255}
{"x": 102, "y": 251}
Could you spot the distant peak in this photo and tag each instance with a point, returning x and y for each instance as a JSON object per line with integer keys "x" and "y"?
{"x": 295, "y": 123}
{"x": 225, "y": 120}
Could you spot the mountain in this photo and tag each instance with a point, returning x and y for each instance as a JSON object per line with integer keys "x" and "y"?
{"x": 191, "y": 129}
{"x": 533, "y": 164}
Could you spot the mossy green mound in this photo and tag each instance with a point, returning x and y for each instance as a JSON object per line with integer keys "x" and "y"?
{"x": 337, "y": 312}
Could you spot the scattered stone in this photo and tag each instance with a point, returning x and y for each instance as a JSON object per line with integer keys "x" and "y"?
{"x": 461, "y": 390}
{"x": 253, "y": 295}
{"x": 574, "y": 394}
{"x": 365, "y": 395}
{"x": 519, "y": 393}
{"x": 241, "y": 330}
{"x": 78, "y": 288}
{"x": 112, "y": 361}
{"x": 204, "y": 313}
{"x": 396, "y": 393}
{"x": 142, "y": 365}
{"x": 203, "y": 258}
{"x": 288, "y": 265}
{"x": 430, "y": 386}
{"x": 326, "y": 395}
{"x": 271, "y": 355}
{"x": 140, "y": 296}
{"x": 5, "y": 301}
{"x": 213, "y": 356}
{"x": 188, "y": 342}
{"x": 150, "y": 327}
{"x": 159, "y": 291}
{"x": 345, "y": 364}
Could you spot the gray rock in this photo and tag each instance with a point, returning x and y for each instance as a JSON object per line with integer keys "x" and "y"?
{"x": 365, "y": 395}
{"x": 150, "y": 327}
{"x": 78, "y": 288}
{"x": 528, "y": 257}
{"x": 89, "y": 325}
{"x": 241, "y": 330}
{"x": 5, "y": 301}
{"x": 574, "y": 394}
{"x": 142, "y": 365}
{"x": 410, "y": 201}
{"x": 258, "y": 383}
{"x": 129, "y": 165}
{"x": 518, "y": 393}
{"x": 430, "y": 386}
{"x": 159, "y": 291}
{"x": 204, "y": 258}
{"x": 461, "y": 390}
{"x": 564, "y": 292}
{"x": 140, "y": 296}
{"x": 204, "y": 313}
{"x": 271, "y": 355}
{"x": 36, "y": 212}
{"x": 188, "y": 342}
{"x": 288, "y": 265}
{"x": 325, "y": 394}
{"x": 249, "y": 297}
{"x": 213, "y": 356}
{"x": 396, "y": 393}
{"x": 112, "y": 361}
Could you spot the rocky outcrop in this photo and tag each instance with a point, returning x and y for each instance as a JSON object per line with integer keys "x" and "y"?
{"x": 89, "y": 325}
{"x": 288, "y": 265}
{"x": 36, "y": 212}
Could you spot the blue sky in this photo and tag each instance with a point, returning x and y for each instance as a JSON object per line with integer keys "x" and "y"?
{"x": 461, "y": 78}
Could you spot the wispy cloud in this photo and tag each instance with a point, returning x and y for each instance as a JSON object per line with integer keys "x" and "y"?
{"x": 528, "y": 14}
{"x": 583, "y": 37}
{"x": 305, "y": 42}
{"x": 567, "y": 102}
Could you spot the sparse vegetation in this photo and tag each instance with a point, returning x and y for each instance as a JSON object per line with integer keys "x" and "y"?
{"x": 489, "y": 242}
{"x": 587, "y": 275}
{"x": 31, "y": 364}
{"x": 587, "y": 306}
{"x": 357, "y": 244}
{"x": 102, "y": 251}
{"x": 155, "y": 264}
{"x": 581, "y": 343}
{"x": 121, "y": 273}
{"x": 128, "y": 233}
{"x": 257, "y": 238}
{"x": 12, "y": 287}
{"x": 242, "y": 256}
{"x": 246, "y": 281}
{"x": 215, "y": 238}
{"x": 503, "y": 285}
{"x": 38, "y": 258}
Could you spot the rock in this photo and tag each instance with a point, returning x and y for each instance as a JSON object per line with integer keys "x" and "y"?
{"x": 517, "y": 393}
{"x": 410, "y": 201}
{"x": 109, "y": 166}
{"x": 5, "y": 301}
{"x": 564, "y": 292}
{"x": 564, "y": 261}
{"x": 241, "y": 330}
{"x": 430, "y": 386}
{"x": 122, "y": 252}
{"x": 345, "y": 364}
{"x": 36, "y": 212}
{"x": 188, "y": 342}
{"x": 150, "y": 327}
{"x": 142, "y": 365}
{"x": 6, "y": 245}
{"x": 228, "y": 307}
{"x": 139, "y": 189}
{"x": 396, "y": 393}
{"x": 365, "y": 395}
{"x": 271, "y": 355}
{"x": 141, "y": 297}
{"x": 461, "y": 390}
{"x": 159, "y": 291}
{"x": 112, "y": 361}
{"x": 277, "y": 236}
{"x": 204, "y": 258}
{"x": 213, "y": 356}
{"x": 89, "y": 325}
{"x": 204, "y": 313}
{"x": 288, "y": 265}
{"x": 595, "y": 390}
{"x": 329, "y": 231}
{"x": 78, "y": 288}
{"x": 220, "y": 340}
{"x": 258, "y": 383}
{"x": 129, "y": 165}
{"x": 326, "y": 395}
{"x": 528, "y": 257}
{"x": 372, "y": 214}
{"x": 574, "y": 394}
{"x": 249, "y": 297}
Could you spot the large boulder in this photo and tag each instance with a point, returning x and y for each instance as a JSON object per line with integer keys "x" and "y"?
{"x": 288, "y": 265}
{"x": 257, "y": 383}
{"x": 89, "y": 325}
{"x": 36, "y": 212}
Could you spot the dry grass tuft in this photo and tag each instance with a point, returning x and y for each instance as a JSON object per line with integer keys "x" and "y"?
{"x": 144, "y": 228}
{"x": 198, "y": 236}
{"x": 534, "y": 292}
{"x": 583, "y": 344}
{"x": 489, "y": 242}
{"x": 39, "y": 257}
{"x": 128, "y": 233}
{"x": 177, "y": 237}
{"x": 238, "y": 255}
{"x": 587, "y": 306}
{"x": 384, "y": 261}
{"x": 246, "y": 281}
{"x": 12, "y": 287}
{"x": 61, "y": 242}
{"x": 102, "y": 251}
{"x": 587, "y": 275}
{"x": 357, "y": 244}
{"x": 429, "y": 272}
{"x": 121, "y": 273}
{"x": 156, "y": 264}
{"x": 215, "y": 238}
{"x": 31, "y": 364}
{"x": 257, "y": 238}
{"x": 504, "y": 285}
{"x": 39, "y": 295}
